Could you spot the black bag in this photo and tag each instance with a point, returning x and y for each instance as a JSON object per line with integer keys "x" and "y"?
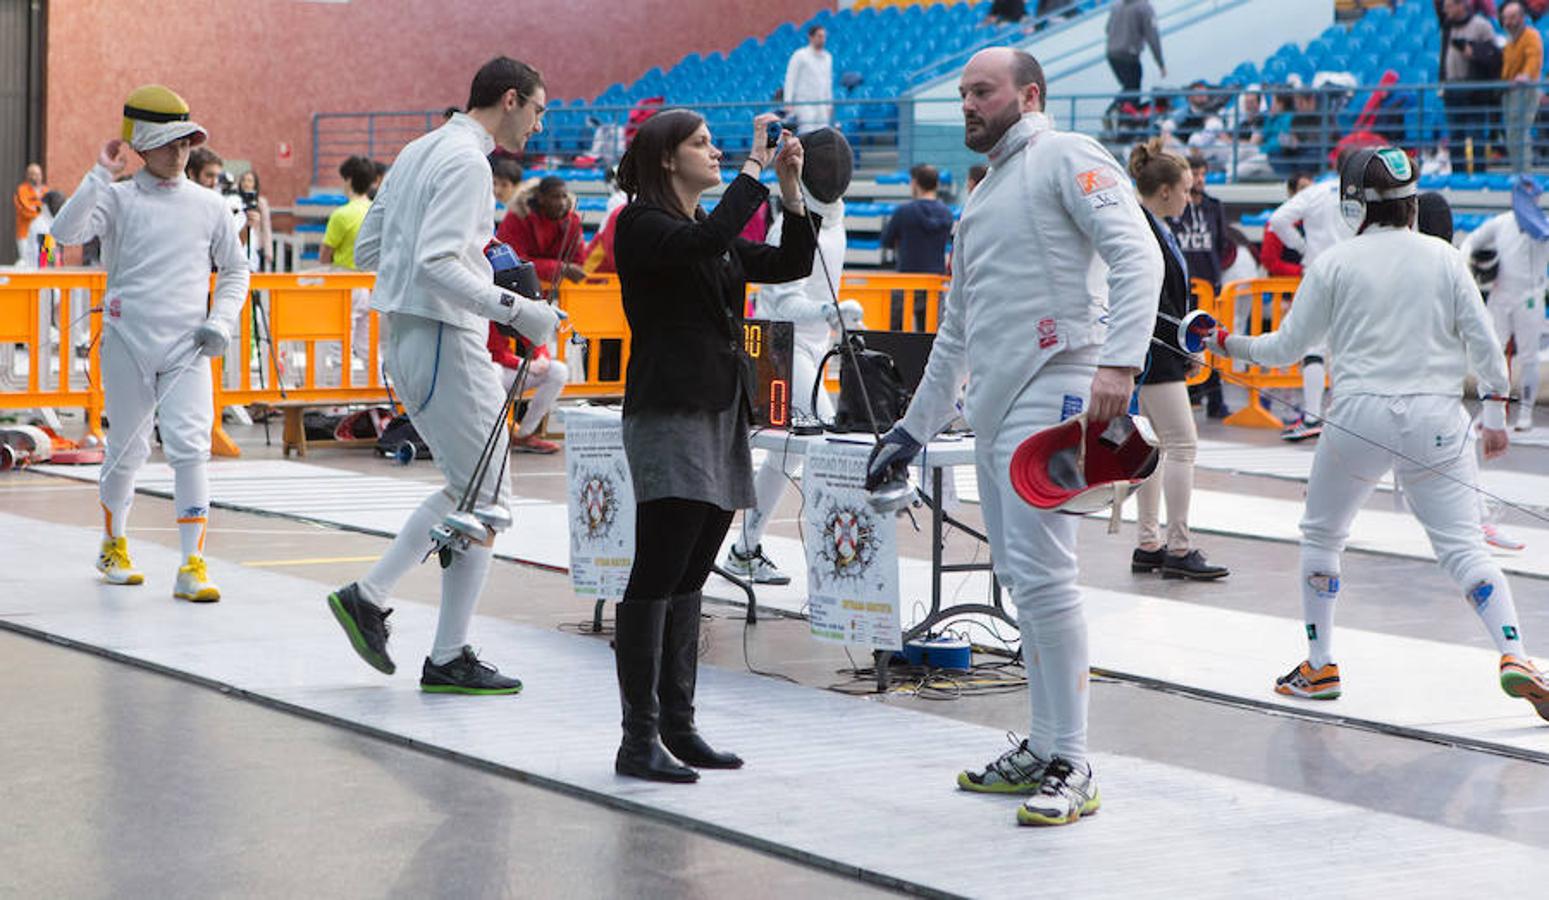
{"x": 1486, "y": 62}
{"x": 884, "y": 385}
{"x": 399, "y": 432}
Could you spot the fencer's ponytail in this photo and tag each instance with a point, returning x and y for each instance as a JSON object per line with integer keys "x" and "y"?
{"x": 1154, "y": 167}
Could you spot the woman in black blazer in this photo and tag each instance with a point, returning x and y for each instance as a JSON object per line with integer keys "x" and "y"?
{"x": 1162, "y": 183}
{"x": 687, "y": 408}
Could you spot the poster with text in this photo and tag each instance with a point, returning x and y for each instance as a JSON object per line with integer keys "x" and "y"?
{"x": 601, "y": 500}
{"x": 852, "y": 552}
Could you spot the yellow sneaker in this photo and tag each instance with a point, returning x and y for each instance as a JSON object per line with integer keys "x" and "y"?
{"x": 193, "y": 582}
{"x": 114, "y": 563}
{"x": 1310, "y": 684}
{"x": 1520, "y": 678}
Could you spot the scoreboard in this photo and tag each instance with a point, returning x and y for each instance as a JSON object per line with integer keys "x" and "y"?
{"x": 771, "y": 346}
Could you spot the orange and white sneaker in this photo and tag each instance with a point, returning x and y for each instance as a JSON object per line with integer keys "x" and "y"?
{"x": 1520, "y": 678}
{"x": 1310, "y": 684}
{"x": 115, "y": 565}
{"x": 193, "y": 582}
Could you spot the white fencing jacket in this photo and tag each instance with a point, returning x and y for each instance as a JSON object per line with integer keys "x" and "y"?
{"x": 804, "y": 302}
{"x": 1317, "y": 208}
{"x": 159, "y": 240}
{"x": 1053, "y": 255}
{"x": 1401, "y": 313}
{"x": 1524, "y": 262}
{"x": 425, "y": 233}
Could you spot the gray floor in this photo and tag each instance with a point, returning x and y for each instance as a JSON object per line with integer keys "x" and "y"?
{"x": 88, "y": 794}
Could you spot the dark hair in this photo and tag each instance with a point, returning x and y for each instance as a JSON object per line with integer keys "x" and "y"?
{"x": 379, "y": 167}
{"x": 641, "y": 173}
{"x": 925, "y": 176}
{"x": 1025, "y": 70}
{"x": 359, "y": 172}
{"x": 1154, "y": 167}
{"x": 976, "y": 172}
{"x": 814, "y": 29}
{"x": 1391, "y": 213}
{"x": 499, "y": 75}
{"x": 200, "y": 159}
{"x": 1197, "y": 161}
{"x": 506, "y": 169}
{"x": 257, "y": 182}
{"x": 449, "y": 112}
{"x": 53, "y": 200}
{"x": 1295, "y": 179}
{"x": 551, "y": 184}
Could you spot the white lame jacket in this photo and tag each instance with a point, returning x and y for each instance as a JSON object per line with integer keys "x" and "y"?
{"x": 803, "y": 302}
{"x": 1053, "y": 256}
{"x": 1400, "y": 313}
{"x": 1317, "y": 208}
{"x": 1524, "y": 262}
{"x": 159, "y": 242}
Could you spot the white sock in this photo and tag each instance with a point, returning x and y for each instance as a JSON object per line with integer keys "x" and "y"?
{"x": 1040, "y": 736}
{"x": 1490, "y": 596}
{"x": 1063, "y": 668}
{"x": 768, "y": 484}
{"x": 407, "y": 550}
{"x": 1312, "y": 389}
{"x": 1320, "y": 589}
{"x": 191, "y": 499}
{"x": 460, "y": 588}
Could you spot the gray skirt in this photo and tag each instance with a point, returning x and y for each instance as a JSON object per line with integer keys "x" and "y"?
{"x": 691, "y": 455}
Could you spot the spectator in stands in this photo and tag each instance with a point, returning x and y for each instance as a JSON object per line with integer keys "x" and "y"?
{"x": 1005, "y": 12}
{"x": 338, "y": 248}
{"x": 259, "y": 224}
{"x": 1524, "y": 63}
{"x": 1162, "y": 184}
{"x": 1469, "y": 52}
{"x": 809, "y": 82}
{"x": 976, "y": 173}
{"x": 1278, "y": 260}
{"x": 918, "y": 231}
{"x": 548, "y": 232}
{"x": 545, "y": 376}
{"x": 1191, "y": 117}
{"x": 1201, "y": 233}
{"x": 1132, "y": 26}
{"x": 506, "y": 174}
{"x": 29, "y": 204}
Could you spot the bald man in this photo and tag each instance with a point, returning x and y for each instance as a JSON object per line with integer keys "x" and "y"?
{"x": 1051, "y": 312}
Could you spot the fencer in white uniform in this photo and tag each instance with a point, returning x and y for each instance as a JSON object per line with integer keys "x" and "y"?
{"x": 809, "y": 305}
{"x": 1056, "y": 282}
{"x": 160, "y": 234}
{"x": 1405, "y": 322}
{"x": 1317, "y": 209}
{"x": 425, "y": 236}
{"x": 1520, "y": 240}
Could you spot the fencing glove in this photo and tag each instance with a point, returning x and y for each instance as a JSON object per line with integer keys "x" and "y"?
{"x": 891, "y": 457}
{"x": 212, "y": 339}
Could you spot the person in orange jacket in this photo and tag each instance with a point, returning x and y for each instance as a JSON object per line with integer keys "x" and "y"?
{"x": 29, "y": 205}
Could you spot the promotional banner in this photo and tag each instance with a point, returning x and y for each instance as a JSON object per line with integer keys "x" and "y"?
{"x": 852, "y": 552}
{"x": 601, "y": 501}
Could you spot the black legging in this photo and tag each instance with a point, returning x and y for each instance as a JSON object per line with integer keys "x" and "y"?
{"x": 676, "y": 542}
{"x": 1127, "y": 70}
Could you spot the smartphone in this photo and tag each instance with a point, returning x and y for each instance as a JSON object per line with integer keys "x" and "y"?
{"x": 772, "y": 133}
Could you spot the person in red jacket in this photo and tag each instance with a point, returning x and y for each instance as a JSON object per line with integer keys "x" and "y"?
{"x": 546, "y": 377}
{"x": 599, "y": 253}
{"x": 1278, "y": 262}
{"x": 547, "y": 233}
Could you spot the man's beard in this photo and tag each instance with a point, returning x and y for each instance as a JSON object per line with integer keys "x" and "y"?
{"x": 992, "y": 129}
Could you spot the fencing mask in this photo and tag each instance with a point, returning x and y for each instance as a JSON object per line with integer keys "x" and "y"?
{"x": 1435, "y": 217}
{"x": 1081, "y": 467}
{"x": 155, "y": 116}
{"x": 829, "y": 163}
{"x": 1355, "y": 193}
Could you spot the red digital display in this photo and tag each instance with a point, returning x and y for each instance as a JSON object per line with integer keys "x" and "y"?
{"x": 770, "y": 344}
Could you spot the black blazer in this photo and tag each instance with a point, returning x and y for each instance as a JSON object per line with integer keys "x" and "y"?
{"x": 1163, "y": 364}
{"x": 684, "y": 284}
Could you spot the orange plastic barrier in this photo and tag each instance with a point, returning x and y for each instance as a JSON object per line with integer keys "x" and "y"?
{"x": 596, "y": 310}
{"x": 23, "y": 321}
{"x": 1256, "y": 307}
{"x": 894, "y": 301}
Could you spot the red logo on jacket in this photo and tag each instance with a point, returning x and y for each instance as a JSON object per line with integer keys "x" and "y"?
{"x": 1093, "y": 180}
{"x": 1047, "y": 334}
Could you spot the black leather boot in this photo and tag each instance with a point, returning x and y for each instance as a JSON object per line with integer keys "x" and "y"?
{"x": 637, "y": 644}
{"x": 679, "y": 674}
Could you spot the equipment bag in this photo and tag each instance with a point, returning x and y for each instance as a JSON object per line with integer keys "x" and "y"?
{"x": 883, "y": 382}
{"x": 401, "y": 431}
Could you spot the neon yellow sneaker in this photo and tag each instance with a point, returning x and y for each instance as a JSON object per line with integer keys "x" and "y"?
{"x": 114, "y": 563}
{"x": 1067, "y": 794}
{"x": 193, "y": 582}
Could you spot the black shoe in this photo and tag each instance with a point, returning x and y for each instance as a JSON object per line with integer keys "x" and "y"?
{"x": 366, "y": 625}
{"x": 1146, "y": 560}
{"x": 466, "y": 675}
{"x": 637, "y": 644}
{"x": 1217, "y": 412}
{"x": 679, "y": 676}
{"x": 1193, "y": 566}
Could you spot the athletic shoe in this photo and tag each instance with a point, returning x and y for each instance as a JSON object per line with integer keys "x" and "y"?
{"x": 1500, "y": 539}
{"x": 466, "y": 675}
{"x": 193, "y": 582}
{"x": 1310, "y": 684}
{"x": 1065, "y": 795}
{"x": 1146, "y": 560}
{"x": 365, "y": 624}
{"x": 115, "y": 565}
{"x": 1017, "y": 771}
{"x": 755, "y": 567}
{"x": 1520, "y": 678}
{"x": 1218, "y": 412}
{"x": 1524, "y": 417}
{"x": 1193, "y": 566}
{"x": 534, "y": 444}
{"x": 1302, "y": 429}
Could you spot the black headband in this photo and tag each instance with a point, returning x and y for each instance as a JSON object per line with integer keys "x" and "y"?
{"x": 150, "y": 115}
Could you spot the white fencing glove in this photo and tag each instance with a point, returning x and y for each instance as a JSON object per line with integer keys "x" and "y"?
{"x": 212, "y": 339}
{"x": 852, "y": 311}
{"x": 532, "y": 319}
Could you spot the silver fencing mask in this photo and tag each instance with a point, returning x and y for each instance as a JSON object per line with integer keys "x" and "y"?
{"x": 829, "y": 162}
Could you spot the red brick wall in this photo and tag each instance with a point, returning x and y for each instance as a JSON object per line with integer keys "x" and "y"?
{"x": 254, "y": 71}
